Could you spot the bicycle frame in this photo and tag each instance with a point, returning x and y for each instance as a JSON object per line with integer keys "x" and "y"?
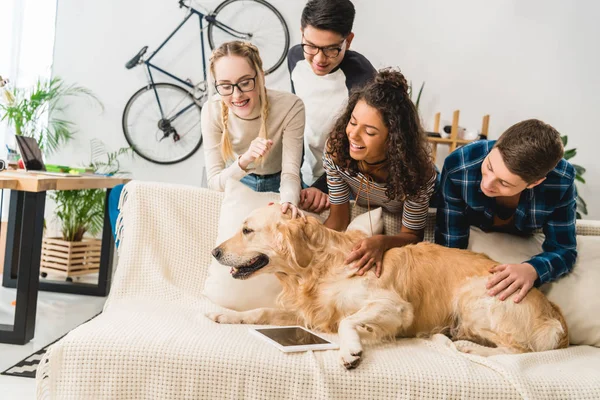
{"x": 211, "y": 20}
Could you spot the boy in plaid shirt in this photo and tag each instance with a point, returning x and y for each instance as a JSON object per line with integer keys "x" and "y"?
{"x": 517, "y": 184}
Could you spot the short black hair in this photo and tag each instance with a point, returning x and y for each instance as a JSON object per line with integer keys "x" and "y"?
{"x": 329, "y": 15}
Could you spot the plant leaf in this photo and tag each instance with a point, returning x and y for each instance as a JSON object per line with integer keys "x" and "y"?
{"x": 579, "y": 169}
{"x": 419, "y": 95}
{"x": 570, "y": 154}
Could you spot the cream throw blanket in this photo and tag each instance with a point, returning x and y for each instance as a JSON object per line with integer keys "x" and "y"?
{"x": 153, "y": 342}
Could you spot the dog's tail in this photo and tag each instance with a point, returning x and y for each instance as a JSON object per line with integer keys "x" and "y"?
{"x": 550, "y": 332}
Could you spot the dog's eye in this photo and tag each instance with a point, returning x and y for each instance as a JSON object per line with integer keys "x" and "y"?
{"x": 247, "y": 231}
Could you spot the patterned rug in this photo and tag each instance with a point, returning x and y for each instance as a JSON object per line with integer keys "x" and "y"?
{"x": 26, "y": 368}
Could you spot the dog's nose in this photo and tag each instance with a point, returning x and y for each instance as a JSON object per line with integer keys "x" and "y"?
{"x": 217, "y": 253}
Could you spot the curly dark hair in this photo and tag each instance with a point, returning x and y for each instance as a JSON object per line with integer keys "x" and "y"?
{"x": 408, "y": 154}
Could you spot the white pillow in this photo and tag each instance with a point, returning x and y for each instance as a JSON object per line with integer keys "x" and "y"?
{"x": 261, "y": 290}
{"x": 220, "y": 287}
{"x": 575, "y": 294}
{"x": 364, "y": 222}
{"x": 505, "y": 248}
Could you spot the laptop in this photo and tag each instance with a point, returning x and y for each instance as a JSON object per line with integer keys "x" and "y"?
{"x": 32, "y": 157}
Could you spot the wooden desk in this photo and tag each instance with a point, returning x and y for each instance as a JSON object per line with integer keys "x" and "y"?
{"x": 24, "y": 245}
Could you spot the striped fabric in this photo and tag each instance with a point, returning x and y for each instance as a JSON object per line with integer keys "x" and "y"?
{"x": 368, "y": 192}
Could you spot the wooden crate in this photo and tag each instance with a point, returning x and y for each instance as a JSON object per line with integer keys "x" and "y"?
{"x": 70, "y": 258}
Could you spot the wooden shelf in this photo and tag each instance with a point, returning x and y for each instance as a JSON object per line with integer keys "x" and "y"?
{"x": 453, "y": 141}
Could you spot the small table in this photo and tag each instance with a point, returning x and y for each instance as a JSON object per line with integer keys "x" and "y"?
{"x": 24, "y": 245}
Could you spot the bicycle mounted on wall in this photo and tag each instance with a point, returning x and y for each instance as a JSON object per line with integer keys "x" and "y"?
{"x": 172, "y": 111}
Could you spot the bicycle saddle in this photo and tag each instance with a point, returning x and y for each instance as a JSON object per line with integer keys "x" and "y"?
{"x": 136, "y": 59}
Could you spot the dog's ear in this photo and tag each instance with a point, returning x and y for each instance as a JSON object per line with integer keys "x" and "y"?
{"x": 294, "y": 241}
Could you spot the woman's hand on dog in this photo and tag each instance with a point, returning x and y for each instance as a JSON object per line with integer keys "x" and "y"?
{"x": 510, "y": 278}
{"x": 369, "y": 253}
{"x": 295, "y": 210}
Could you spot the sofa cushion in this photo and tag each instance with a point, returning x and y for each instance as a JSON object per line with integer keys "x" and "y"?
{"x": 220, "y": 287}
{"x": 262, "y": 290}
{"x": 576, "y": 293}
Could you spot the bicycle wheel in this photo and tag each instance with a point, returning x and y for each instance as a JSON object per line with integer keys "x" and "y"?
{"x": 167, "y": 140}
{"x": 260, "y": 21}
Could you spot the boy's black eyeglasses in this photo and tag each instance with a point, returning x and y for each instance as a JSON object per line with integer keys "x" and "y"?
{"x": 246, "y": 85}
{"x": 330, "y": 52}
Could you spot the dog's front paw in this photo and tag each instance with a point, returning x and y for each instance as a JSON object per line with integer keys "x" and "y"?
{"x": 225, "y": 318}
{"x": 351, "y": 357}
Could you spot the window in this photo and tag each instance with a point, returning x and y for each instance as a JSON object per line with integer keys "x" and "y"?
{"x": 27, "y": 35}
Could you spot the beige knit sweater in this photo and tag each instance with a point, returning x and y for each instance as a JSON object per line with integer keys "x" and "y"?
{"x": 285, "y": 127}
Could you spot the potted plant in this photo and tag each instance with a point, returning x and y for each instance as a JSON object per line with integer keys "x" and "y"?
{"x": 80, "y": 212}
{"x": 36, "y": 112}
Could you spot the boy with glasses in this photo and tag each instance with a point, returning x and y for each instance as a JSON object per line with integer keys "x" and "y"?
{"x": 323, "y": 71}
{"x": 517, "y": 184}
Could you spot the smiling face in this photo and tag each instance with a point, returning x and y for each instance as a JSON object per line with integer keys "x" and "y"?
{"x": 367, "y": 134}
{"x": 231, "y": 70}
{"x": 498, "y": 181}
{"x": 320, "y": 63}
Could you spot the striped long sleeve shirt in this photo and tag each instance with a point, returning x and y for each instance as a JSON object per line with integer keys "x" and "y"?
{"x": 340, "y": 183}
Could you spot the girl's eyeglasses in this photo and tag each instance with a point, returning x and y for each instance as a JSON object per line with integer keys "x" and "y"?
{"x": 226, "y": 89}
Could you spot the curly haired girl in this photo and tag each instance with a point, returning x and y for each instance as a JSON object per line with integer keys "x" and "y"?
{"x": 378, "y": 152}
{"x": 251, "y": 134}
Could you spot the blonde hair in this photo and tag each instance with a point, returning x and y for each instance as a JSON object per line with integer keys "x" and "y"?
{"x": 250, "y": 53}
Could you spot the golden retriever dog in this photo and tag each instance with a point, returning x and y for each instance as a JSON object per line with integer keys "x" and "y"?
{"x": 423, "y": 289}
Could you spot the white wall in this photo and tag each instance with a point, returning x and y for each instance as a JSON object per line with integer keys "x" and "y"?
{"x": 511, "y": 59}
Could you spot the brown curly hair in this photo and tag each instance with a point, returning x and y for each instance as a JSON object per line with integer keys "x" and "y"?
{"x": 407, "y": 151}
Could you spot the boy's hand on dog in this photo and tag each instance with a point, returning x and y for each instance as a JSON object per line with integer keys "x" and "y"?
{"x": 313, "y": 200}
{"x": 369, "y": 253}
{"x": 510, "y": 278}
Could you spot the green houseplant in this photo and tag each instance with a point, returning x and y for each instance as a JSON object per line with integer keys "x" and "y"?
{"x": 36, "y": 112}
{"x": 82, "y": 211}
{"x": 410, "y": 93}
{"x": 579, "y": 171}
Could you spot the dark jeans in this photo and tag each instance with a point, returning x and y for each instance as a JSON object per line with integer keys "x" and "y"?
{"x": 263, "y": 183}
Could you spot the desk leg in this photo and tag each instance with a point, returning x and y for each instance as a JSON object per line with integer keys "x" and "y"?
{"x": 29, "y": 252}
{"x": 13, "y": 239}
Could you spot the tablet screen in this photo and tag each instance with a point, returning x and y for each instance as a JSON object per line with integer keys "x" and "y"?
{"x": 291, "y": 336}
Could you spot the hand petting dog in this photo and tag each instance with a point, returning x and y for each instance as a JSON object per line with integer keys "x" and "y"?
{"x": 510, "y": 278}
{"x": 295, "y": 210}
{"x": 369, "y": 253}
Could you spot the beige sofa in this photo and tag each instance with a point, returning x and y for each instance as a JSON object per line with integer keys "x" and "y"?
{"x": 153, "y": 341}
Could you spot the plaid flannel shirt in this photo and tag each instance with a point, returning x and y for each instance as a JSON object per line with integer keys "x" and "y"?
{"x": 551, "y": 206}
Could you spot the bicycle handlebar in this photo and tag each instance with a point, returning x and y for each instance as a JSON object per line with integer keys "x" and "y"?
{"x": 182, "y": 4}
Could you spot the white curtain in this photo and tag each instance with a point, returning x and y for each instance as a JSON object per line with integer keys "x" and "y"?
{"x": 27, "y": 36}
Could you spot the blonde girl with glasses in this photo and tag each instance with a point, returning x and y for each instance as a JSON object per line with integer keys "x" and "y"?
{"x": 250, "y": 133}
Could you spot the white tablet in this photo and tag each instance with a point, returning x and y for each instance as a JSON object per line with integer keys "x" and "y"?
{"x": 293, "y": 338}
